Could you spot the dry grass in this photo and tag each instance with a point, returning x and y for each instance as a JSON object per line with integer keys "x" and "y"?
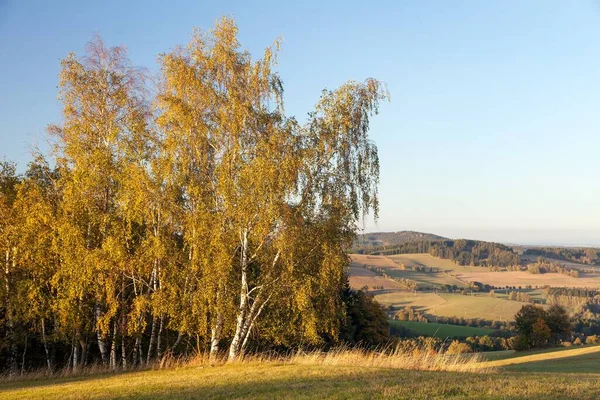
{"x": 423, "y": 359}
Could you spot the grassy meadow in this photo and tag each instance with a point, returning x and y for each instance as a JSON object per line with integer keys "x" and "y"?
{"x": 337, "y": 378}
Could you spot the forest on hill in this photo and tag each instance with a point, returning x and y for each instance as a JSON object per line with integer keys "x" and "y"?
{"x": 195, "y": 216}
{"x": 378, "y": 239}
{"x": 461, "y": 251}
{"x": 585, "y": 255}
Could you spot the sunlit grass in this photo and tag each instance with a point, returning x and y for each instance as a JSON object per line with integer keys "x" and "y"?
{"x": 342, "y": 373}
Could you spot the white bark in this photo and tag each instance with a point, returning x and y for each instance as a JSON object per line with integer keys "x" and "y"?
{"x": 235, "y": 342}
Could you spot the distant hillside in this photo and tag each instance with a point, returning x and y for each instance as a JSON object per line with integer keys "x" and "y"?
{"x": 461, "y": 251}
{"x": 380, "y": 239}
{"x": 583, "y": 255}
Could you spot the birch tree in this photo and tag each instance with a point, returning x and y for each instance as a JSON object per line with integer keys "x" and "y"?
{"x": 250, "y": 176}
{"x": 105, "y": 114}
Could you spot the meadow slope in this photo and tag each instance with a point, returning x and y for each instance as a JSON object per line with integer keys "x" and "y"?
{"x": 272, "y": 380}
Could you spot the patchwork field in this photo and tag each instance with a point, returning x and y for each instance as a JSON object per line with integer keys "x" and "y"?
{"x": 427, "y": 279}
{"x": 391, "y": 266}
{"x": 427, "y": 260}
{"x": 442, "y": 330}
{"x": 360, "y": 277}
{"x": 477, "y": 305}
{"x": 522, "y": 278}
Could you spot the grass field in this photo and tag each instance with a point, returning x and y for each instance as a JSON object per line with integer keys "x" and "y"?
{"x": 442, "y": 330}
{"x": 284, "y": 380}
{"x": 477, "y": 306}
{"x": 454, "y": 305}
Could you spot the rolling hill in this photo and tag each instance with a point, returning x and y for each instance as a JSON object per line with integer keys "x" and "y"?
{"x": 376, "y": 239}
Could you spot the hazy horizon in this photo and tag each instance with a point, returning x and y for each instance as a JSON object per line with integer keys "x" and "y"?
{"x": 567, "y": 238}
{"x": 492, "y": 131}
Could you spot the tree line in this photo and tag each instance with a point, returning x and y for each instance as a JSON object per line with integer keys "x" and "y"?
{"x": 544, "y": 266}
{"x": 189, "y": 215}
{"x": 586, "y": 255}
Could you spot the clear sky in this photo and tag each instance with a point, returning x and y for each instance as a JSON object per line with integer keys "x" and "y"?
{"x": 493, "y": 131}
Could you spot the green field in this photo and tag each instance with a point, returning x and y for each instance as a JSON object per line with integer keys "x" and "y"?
{"x": 442, "y": 330}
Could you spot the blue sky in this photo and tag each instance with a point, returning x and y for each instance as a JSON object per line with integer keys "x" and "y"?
{"x": 493, "y": 131}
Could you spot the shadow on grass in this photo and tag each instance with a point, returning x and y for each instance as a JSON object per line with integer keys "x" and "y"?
{"x": 582, "y": 363}
{"x": 20, "y": 383}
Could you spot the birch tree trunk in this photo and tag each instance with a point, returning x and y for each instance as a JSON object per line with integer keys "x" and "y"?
{"x": 76, "y": 353}
{"x": 45, "y": 343}
{"x": 101, "y": 341}
{"x": 123, "y": 353}
{"x": 83, "y": 344}
{"x": 135, "y": 358}
{"x": 152, "y": 339}
{"x": 154, "y": 318}
{"x": 236, "y": 341}
{"x": 215, "y": 336}
{"x": 159, "y": 337}
{"x": 216, "y": 330}
{"x": 113, "y": 347}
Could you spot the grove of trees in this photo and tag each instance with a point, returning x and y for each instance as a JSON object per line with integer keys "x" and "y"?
{"x": 538, "y": 327}
{"x": 200, "y": 217}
